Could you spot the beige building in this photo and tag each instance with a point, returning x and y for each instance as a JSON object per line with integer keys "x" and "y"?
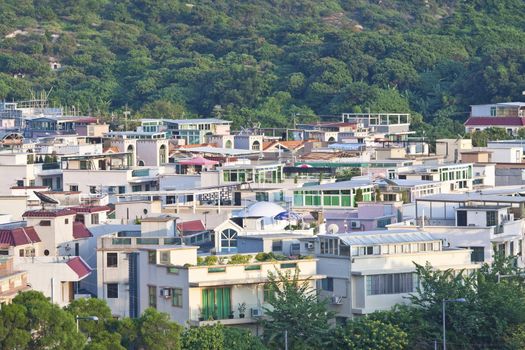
{"x": 11, "y": 281}
{"x": 451, "y": 149}
{"x": 172, "y": 281}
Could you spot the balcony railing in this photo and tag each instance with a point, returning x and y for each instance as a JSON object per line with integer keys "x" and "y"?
{"x": 252, "y": 313}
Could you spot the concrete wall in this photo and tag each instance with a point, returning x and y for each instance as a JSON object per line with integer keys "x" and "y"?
{"x": 49, "y": 277}
{"x": 14, "y": 206}
{"x": 507, "y": 155}
{"x": 148, "y": 151}
{"x": 60, "y": 231}
{"x": 127, "y": 212}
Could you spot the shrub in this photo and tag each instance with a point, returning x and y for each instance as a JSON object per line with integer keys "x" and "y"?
{"x": 240, "y": 259}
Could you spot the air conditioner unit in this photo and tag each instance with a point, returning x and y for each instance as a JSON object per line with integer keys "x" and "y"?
{"x": 310, "y": 245}
{"x": 257, "y": 312}
{"x": 165, "y": 292}
{"x": 337, "y": 300}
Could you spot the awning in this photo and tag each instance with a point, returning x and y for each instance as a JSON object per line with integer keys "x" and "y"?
{"x": 198, "y": 161}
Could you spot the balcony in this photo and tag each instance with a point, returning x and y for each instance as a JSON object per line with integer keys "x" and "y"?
{"x": 253, "y": 313}
{"x": 509, "y": 228}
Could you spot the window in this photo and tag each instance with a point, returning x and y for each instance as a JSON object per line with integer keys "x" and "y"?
{"x": 94, "y": 219}
{"x": 112, "y": 290}
{"x": 152, "y": 257}
{"x": 177, "y": 297}
{"x": 228, "y": 240}
{"x": 216, "y": 269}
{"x": 391, "y": 283}
{"x": 45, "y": 222}
{"x": 92, "y": 189}
{"x": 330, "y": 246}
{"x": 121, "y": 189}
{"x": 277, "y": 246}
{"x": 381, "y": 223}
{"x": 164, "y": 257}
{"x": 73, "y": 188}
{"x": 327, "y": 284}
{"x": 112, "y": 259}
{"x": 136, "y": 188}
{"x": 491, "y": 218}
{"x": 268, "y": 293}
{"x": 173, "y": 270}
{"x": 152, "y": 296}
{"x": 288, "y": 266}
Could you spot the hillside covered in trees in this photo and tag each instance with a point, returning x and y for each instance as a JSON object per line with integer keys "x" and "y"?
{"x": 267, "y": 61}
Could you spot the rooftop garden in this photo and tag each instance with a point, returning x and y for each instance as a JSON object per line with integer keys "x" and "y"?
{"x": 212, "y": 260}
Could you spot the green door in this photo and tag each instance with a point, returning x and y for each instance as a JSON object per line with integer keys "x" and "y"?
{"x": 216, "y": 303}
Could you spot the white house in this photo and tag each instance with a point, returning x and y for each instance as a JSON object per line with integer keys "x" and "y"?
{"x": 374, "y": 270}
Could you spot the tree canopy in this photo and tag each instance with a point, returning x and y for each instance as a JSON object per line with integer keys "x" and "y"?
{"x": 267, "y": 61}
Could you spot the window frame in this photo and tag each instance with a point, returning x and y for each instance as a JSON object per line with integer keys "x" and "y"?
{"x": 110, "y": 292}
{"x": 113, "y": 255}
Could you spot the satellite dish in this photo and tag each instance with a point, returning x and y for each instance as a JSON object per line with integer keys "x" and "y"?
{"x": 45, "y": 199}
{"x": 333, "y": 228}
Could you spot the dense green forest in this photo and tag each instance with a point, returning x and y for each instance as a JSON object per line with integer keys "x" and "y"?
{"x": 267, "y": 61}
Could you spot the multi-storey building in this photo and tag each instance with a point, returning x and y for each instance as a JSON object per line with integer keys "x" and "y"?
{"x": 374, "y": 270}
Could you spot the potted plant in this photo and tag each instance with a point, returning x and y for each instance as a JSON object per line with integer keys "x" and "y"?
{"x": 201, "y": 315}
{"x": 230, "y": 316}
{"x": 242, "y": 309}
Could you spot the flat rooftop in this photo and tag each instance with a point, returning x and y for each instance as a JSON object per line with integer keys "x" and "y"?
{"x": 466, "y": 197}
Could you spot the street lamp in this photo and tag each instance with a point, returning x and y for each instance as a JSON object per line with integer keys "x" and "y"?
{"x": 86, "y": 318}
{"x": 459, "y": 300}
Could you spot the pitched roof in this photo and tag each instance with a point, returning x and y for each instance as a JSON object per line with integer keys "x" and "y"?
{"x": 80, "y": 231}
{"x": 18, "y": 236}
{"x": 286, "y": 144}
{"x": 43, "y": 213}
{"x": 495, "y": 121}
{"x": 79, "y": 266}
{"x": 193, "y": 225}
{"x": 90, "y": 208}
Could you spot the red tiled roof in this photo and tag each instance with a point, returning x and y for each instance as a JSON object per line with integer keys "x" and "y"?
{"x": 90, "y": 208}
{"x": 495, "y": 121}
{"x": 194, "y": 225}
{"x": 19, "y": 236}
{"x": 80, "y": 267}
{"x": 80, "y": 231}
{"x": 48, "y": 213}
